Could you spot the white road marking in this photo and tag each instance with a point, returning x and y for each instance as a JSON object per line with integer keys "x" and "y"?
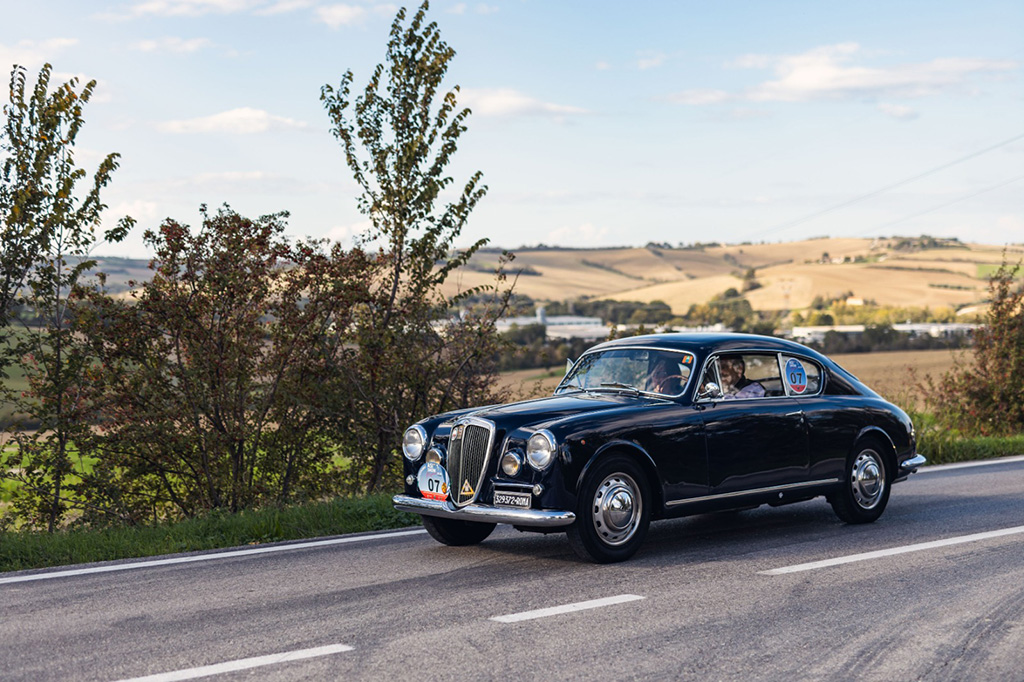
{"x": 205, "y": 557}
{"x": 242, "y": 664}
{"x": 894, "y": 551}
{"x": 938, "y": 468}
{"x": 567, "y": 608}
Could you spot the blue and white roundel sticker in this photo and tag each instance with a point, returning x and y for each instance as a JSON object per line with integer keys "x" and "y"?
{"x": 433, "y": 481}
{"x": 796, "y": 377}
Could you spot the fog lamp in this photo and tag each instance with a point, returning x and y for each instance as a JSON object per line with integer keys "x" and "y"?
{"x": 511, "y": 463}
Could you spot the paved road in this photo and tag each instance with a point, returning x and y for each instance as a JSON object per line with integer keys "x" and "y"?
{"x": 697, "y": 601}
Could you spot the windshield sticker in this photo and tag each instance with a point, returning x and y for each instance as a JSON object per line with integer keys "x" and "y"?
{"x": 796, "y": 377}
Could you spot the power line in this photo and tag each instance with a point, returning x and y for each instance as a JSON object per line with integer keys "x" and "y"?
{"x": 876, "y": 192}
{"x": 949, "y": 203}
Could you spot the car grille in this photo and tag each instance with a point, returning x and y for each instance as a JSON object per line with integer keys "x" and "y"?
{"x": 468, "y": 450}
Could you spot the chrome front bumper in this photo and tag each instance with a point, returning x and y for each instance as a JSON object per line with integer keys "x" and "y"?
{"x": 535, "y": 518}
{"x": 910, "y": 466}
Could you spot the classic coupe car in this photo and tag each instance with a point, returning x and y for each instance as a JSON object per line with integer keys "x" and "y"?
{"x": 655, "y": 427}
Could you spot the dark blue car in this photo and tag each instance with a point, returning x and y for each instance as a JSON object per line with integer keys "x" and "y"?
{"x": 654, "y": 427}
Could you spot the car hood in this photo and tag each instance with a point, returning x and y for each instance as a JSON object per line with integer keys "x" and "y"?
{"x": 544, "y": 410}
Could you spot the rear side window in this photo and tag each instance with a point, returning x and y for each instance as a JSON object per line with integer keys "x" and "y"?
{"x": 800, "y": 376}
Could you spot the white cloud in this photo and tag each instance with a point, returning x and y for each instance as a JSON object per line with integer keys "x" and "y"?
{"x": 349, "y": 233}
{"x": 171, "y": 44}
{"x": 650, "y": 60}
{"x": 459, "y": 8}
{"x": 284, "y": 7}
{"x": 602, "y": 66}
{"x": 486, "y": 9}
{"x": 243, "y": 121}
{"x": 826, "y": 73}
{"x": 337, "y": 16}
{"x": 508, "y": 102}
{"x": 898, "y": 111}
{"x": 142, "y": 210}
{"x": 831, "y": 72}
{"x": 189, "y": 8}
{"x": 699, "y": 97}
{"x": 582, "y": 235}
{"x": 33, "y": 53}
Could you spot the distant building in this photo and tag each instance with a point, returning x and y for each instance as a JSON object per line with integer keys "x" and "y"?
{"x": 816, "y": 334}
{"x": 559, "y": 326}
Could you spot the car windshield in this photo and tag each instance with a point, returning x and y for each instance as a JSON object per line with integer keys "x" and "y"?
{"x": 640, "y": 370}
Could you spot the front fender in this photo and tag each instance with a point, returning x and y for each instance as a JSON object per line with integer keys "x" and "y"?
{"x": 642, "y": 457}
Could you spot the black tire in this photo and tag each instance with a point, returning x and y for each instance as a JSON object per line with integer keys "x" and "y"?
{"x": 456, "y": 533}
{"x": 864, "y": 492}
{"x": 613, "y": 511}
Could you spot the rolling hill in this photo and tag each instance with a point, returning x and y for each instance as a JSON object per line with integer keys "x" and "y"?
{"x": 892, "y": 272}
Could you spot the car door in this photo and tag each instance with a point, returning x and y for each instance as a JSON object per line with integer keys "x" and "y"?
{"x": 756, "y": 439}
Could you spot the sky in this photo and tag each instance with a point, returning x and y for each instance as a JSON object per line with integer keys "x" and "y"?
{"x": 595, "y": 123}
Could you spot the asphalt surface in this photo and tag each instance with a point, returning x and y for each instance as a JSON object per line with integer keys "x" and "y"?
{"x": 695, "y": 602}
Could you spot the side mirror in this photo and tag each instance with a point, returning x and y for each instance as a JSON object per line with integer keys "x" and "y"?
{"x": 710, "y": 391}
{"x": 568, "y": 365}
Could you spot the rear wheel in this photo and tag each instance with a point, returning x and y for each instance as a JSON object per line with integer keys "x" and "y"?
{"x": 455, "y": 532}
{"x": 865, "y": 489}
{"x": 613, "y": 512}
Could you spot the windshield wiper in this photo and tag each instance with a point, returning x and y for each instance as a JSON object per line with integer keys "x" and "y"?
{"x": 616, "y": 384}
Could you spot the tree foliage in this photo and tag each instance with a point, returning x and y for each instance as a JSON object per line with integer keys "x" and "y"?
{"x": 984, "y": 395}
{"x": 399, "y": 136}
{"x": 216, "y": 376}
{"x": 48, "y": 229}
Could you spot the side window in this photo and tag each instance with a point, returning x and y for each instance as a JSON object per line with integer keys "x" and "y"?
{"x": 749, "y": 375}
{"x": 800, "y": 376}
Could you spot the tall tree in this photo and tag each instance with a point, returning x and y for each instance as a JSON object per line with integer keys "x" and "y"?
{"x": 49, "y": 228}
{"x": 398, "y": 137}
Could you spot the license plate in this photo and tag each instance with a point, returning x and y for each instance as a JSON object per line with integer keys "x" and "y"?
{"x": 520, "y": 500}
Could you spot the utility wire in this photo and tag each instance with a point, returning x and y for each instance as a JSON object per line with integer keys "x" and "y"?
{"x": 949, "y": 203}
{"x": 876, "y": 192}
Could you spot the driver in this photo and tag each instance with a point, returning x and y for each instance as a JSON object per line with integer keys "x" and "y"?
{"x": 664, "y": 377}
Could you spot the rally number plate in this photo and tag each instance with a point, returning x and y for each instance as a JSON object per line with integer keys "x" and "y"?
{"x": 506, "y": 499}
{"x": 433, "y": 481}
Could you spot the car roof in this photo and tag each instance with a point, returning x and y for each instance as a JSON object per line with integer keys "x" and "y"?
{"x": 704, "y": 343}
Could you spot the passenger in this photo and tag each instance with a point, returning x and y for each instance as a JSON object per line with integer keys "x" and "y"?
{"x": 735, "y": 384}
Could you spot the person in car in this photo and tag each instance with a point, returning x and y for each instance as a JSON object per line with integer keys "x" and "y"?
{"x": 664, "y": 377}
{"x": 735, "y": 384}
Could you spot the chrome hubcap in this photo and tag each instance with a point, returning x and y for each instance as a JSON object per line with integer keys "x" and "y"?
{"x": 617, "y": 508}
{"x": 867, "y": 479}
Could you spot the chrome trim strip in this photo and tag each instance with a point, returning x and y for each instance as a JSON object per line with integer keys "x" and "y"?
{"x": 537, "y": 518}
{"x": 525, "y": 487}
{"x": 755, "y": 491}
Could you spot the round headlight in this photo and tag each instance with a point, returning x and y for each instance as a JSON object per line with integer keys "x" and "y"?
{"x": 433, "y": 456}
{"x": 511, "y": 463}
{"x": 540, "y": 450}
{"x": 414, "y": 441}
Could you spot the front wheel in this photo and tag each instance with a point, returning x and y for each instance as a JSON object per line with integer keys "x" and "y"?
{"x": 613, "y": 512}
{"x": 455, "y": 532}
{"x": 865, "y": 490}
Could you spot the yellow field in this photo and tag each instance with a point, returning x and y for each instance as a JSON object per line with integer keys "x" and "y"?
{"x": 887, "y": 373}
{"x": 791, "y": 274}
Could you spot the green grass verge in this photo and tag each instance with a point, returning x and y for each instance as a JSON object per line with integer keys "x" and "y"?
{"x": 943, "y": 449}
{"x": 22, "y": 550}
